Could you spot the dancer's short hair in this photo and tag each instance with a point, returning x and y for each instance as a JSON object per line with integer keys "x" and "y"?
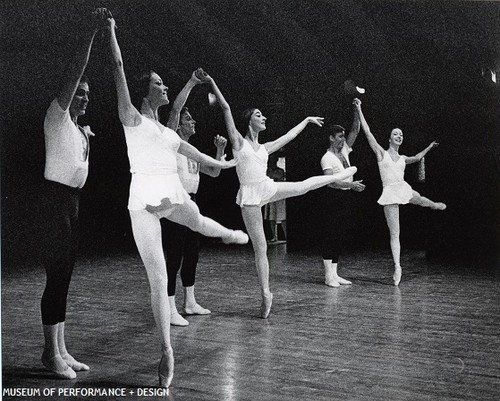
{"x": 244, "y": 120}
{"x": 139, "y": 87}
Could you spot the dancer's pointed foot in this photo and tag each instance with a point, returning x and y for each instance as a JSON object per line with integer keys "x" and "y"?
{"x": 196, "y": 309}
{"x": 177, "y": 320}
{"x": 60, "y": 368}
{"x": 236, "y": 237}
{"x": 74, "y": 364}
{"x": 166, "y": 368}
{"x": 346, "y": 173}
{"x": 265, "y": 306}
{"x": 397, "y": 275}
{"x": 439, "y": 206}
{"x": 342, "y": 281}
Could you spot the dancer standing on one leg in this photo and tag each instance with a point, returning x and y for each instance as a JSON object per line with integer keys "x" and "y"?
{"x": 155, "y": 189}
{"x": 340, "y": 198}
{"x": 66, "y": 169}
{"x": 182, "y": 245}
{"x": 256, "y": 189}
{"x": 395, "y": 190}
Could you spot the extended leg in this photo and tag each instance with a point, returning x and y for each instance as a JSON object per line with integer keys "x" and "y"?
{"x": 392, "y": 217}
{"x": 252, "y": 217}
{"x": 420, "y": 200}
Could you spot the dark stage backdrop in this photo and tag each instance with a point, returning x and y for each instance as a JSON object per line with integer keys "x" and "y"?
{"x": 425, "y": 66}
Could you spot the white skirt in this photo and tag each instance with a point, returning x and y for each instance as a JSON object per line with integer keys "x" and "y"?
{"x": 256, "y": 194}
{"x": 151, "y": 190}
{"x": 398, "y": 193}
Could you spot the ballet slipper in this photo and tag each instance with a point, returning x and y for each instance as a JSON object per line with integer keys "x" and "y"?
{"x": 342, "y": 281}
{"x": 74, "y": 364}
{"x": 59, "y": 367}
{"x": 397, "y": 275}
{"x": 265, "y": 307}
{"x": 178, "y": 320}
{"x": 166, "y": 368}
{"x": 331, "y": 282}
{"x": 236, "y": 237}
{"x": 196, "y": 309}
{"x": 439, "y": 206}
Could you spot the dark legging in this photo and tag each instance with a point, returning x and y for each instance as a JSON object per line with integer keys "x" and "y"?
{"x": 339, "y": 219}
{"x": 60, "y": 238}
{"x": 182, "y": 247}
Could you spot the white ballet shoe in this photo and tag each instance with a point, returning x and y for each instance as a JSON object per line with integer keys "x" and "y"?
{"x": 331, "y": 282}
{"x": 265, "y": 307}
{"x": 439, "y": 206}
{"x": 74, "y": 364}
{"x": 342, "y": 281}
{"x": 236, "y": 237}
{"x": 178, "y": 320}
{"x": 166, "y": 368}
{"x": 397, "y": 275}
{"x": 196, "y": 309}
{"x": 59, "y": 367}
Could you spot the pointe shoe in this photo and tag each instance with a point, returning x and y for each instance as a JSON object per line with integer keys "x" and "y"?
{"x": 439, "y": 206}
{"x": 74, "y": 364}
{"x": 265, "y": 307}
{"x": 166, "y": 369}
{"x": 178, "y": 320}
{"x": 397, "y": 275}
{"x": 342, "y": 281}
{"x": 236, "y": 237}
{"x": 60, "y": 368}
{"x": 196, "y": 310}
{"x": 331, "y": 282}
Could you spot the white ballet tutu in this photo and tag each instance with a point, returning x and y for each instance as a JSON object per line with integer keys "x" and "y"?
{"x": 398, "y": 193}
{"x": 256, "y": 194}
{"x": 151, "y": 190}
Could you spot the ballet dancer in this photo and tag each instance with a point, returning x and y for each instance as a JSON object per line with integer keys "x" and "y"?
{"x": 256, "y": 189}
{"x": 340, "y": 211}
{"x": 67, "y": 146}
{"x": 155, "y": 189}
{"x": 395, "y": 191}
{"x": 181, "y": 244}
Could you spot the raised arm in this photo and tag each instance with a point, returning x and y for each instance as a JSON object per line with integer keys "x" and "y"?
{"x": 277, "y": 144}
{"x": 77, "y": 66}
{"x": 419, "y": 156}
{"x": 192, "y": 153}
{"x": 129, "y": 115}
{"x": 220, "y": 143}
{"x": 377, "y": 149}
{"x": 353, "y": 133}
{"x": 234, "y": 135}
{"x": 180, "y": 101}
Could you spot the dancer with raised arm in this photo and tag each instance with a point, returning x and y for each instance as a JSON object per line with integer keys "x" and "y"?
{"x": 396, "y": 191}
{"x": 256, "y": 189}
{"x": 182, "y": 245}
{"x": 340, "y": 211}
{"x": 67, "y": 146}
{"x": 156, "y": 190}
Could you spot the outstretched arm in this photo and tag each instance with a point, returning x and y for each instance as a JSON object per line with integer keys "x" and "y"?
{"x": 220, "y": 143}
{"x": 377, "y": 149}
{"x": 234, "y": 136}
{"x": 78, "y": 64}
{"x": 180, "y": 101}
{"x": 192, "y": 153}
{"x": 129, "y": 116}
{"x": 292, "y": 134}
{"x": 419, "y": 156}
{"x": 353, "y": 133}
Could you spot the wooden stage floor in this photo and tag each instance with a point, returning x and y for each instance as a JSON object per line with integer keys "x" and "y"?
{"x": 436, "y": 337}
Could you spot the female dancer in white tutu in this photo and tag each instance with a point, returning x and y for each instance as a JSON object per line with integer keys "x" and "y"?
{"x": 256, "y": 189}
{"x": 395, "y": 190}
{"x": 156, "y": 190}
